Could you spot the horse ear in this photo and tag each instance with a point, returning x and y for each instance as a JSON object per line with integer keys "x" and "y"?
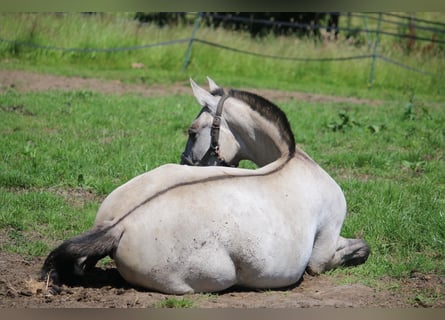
{"x": 212, "y": 85}
{"x": 204, "y": 97}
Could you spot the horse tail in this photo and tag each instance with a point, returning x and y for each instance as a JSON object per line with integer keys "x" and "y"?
{"x": 70, "y": 259}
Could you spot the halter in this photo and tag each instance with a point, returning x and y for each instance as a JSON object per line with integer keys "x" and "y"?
{"x": 213, "y": 150}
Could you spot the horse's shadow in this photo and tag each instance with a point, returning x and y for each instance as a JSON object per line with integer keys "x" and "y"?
{"x": 100, "y": 278}
{"x": 109, "y": 277}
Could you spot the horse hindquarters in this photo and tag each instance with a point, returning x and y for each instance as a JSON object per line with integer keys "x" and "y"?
{"x": 171, "y": 266}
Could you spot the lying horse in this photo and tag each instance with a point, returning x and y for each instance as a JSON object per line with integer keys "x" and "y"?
{"x": 182, "y": 229}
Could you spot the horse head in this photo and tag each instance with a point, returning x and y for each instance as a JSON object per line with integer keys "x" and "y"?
{"x": 210, "y": 141}
{"x": 234, "y": 126}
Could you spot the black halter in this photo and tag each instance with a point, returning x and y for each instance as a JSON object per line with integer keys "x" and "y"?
{"x": 213, "y": 150}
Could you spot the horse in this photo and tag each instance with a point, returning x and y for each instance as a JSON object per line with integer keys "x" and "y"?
{"x": 182, "y": 229}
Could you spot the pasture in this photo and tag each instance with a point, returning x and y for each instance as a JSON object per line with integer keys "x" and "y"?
{"x": 64, "y": 149}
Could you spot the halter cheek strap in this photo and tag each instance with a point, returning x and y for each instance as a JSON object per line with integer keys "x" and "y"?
{"x": 216, "y": 125}
{"x": 213, "y": 150}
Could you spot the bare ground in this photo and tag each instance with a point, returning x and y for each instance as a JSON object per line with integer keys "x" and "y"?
{"x": 20, "y": 287}
{"x": 24, "y": 81}
{"x": 104, "y": 288}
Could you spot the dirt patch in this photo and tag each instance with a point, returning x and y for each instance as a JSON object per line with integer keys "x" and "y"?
{"x": 103, "y": 287}
{"x": 19, "y": 109}
{"x": 24, "y": 81}
{"x": 76, "y": 197}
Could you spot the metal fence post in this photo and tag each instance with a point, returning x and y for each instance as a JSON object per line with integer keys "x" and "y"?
{"x": 368, "y": 35}
{"x": 189, "y": 48}
{"x": 374, "y": 52}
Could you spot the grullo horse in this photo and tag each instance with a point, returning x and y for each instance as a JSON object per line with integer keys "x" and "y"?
{"x": 181, "y": 229}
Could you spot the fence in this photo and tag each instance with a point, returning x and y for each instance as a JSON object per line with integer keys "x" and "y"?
{"x": 397, "y": 21}
{"x": 413, "y": 24}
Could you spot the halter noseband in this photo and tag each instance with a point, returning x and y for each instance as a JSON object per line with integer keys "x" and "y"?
{"x": 213, "y": 150}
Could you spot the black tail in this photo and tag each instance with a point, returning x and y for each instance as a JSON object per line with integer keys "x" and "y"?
{"x": 93, "y": 245}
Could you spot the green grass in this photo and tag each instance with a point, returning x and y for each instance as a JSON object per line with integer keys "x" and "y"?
{"x": 33, "y": 221}
{"x": 77, "y": 139}
{"x": 176, "y": 303}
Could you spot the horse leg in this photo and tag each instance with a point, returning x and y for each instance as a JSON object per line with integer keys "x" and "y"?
{"x": 329, "y": 253}
{"x": 350, "y": 252}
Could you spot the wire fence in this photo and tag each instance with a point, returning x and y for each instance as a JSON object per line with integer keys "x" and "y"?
{"x": 268, "y": 56}
{"x": 390, "y": 19}
{"x": 377, "y": 32}
{"x": 403, "y": 24}
{"x": 89, "y": 50}
{"x": 371, "y": 16}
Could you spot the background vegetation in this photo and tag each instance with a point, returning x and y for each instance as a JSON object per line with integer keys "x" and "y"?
{"x": 164, "y": 64}
{"x": 63, "y": 152}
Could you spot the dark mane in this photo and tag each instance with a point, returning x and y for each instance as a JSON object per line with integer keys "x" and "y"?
{"x": 269, "y": 111}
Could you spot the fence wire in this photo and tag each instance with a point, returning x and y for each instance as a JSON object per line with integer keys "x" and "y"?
{"x": 404, "y": 66}
{"x": 216, "y": 45}
{"x": 262, "y": 55}
{"x": 89, "y": 50}
{"x": 402, "y": 24}
{"x": 316, "y": 26}
{"x": 194, "y": 39}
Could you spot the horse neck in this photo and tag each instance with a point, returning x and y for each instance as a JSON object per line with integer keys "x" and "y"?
{"x": 259, "y": 140}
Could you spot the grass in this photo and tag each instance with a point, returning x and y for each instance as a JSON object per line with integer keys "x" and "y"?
{"x": 61, "y": 153}
{"x": 80, "y": 142}
{"x": 164, "y": 64}
{"x": 118, "y": 128}
{"x": 175, "y": 303}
